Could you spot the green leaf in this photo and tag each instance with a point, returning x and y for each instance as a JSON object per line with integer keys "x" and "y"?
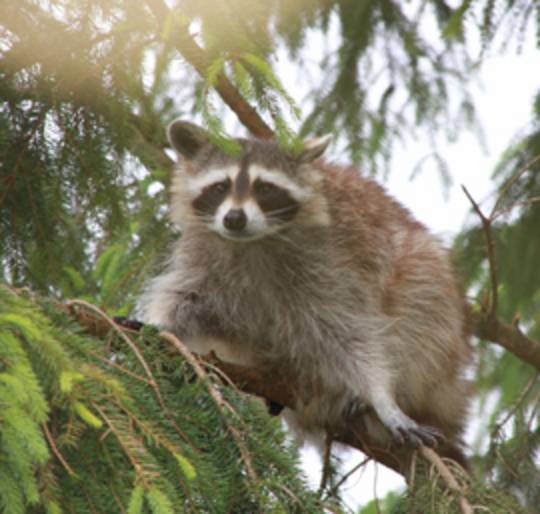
{"x": 159, "y": 502}
{"x": 186, "y": 467}
{"x": 67, "y": 379}
{"x": 76, "y": 279}
{"x": 214, "y": 70}
{"x": 29, "y": 330}
{"x": 136, "y": 500}
{"x": 86, "y": 415}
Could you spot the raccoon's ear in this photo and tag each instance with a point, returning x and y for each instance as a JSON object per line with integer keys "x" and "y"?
{"x": 314, "y": 148}
{"x": 186, "y": 138}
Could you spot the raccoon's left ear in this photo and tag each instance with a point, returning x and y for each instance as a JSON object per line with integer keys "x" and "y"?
{"x": 186, "y": 138}
{"x": 314, "y": 148}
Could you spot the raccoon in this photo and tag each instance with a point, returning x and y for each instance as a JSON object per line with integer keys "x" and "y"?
{"x": 287, "y": 262}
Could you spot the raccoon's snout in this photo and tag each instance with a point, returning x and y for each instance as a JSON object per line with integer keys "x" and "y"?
{"x": 235, "y": 220}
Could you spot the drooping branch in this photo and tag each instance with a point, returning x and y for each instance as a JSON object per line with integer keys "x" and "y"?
{"x": 200, "y": 60}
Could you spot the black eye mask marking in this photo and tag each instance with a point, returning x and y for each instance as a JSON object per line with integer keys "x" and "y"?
{"x": 211, "y": 197}
{"x": 275, "y": 202}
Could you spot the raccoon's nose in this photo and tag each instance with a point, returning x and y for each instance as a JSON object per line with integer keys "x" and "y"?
{"x": 235, "y": 220}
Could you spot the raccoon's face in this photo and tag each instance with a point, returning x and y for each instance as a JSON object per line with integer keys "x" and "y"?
{"x": 249, "y": 197}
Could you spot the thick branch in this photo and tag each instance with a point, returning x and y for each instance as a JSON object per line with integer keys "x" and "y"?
{"x": 274, "y": 385}
{"x": 271, "y": 384}
{"x": 200, "y": 60}
{"x": 508, "y": 336}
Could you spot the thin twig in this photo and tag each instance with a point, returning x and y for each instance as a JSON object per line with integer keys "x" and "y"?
{"x": 506, "y": 464}
{"x": 201, "y": 60}
{"x": 348, "y": 475}
{"x": 326, "y": 468}
{"x": 219, "y": 373}
{"x": 486, "y": 225}
{"x": 56, "y": 451}
{"x": 120, "y": 368}
{"x": 216, "y": 396}
{"x": 128, "y": 341}
{"x": 448, "y": 477}
{"x": 138, "y": 468}
{"x": 511, "y": 182}
{"x": 527, "y": 201}
{"x": 515, "y": 405}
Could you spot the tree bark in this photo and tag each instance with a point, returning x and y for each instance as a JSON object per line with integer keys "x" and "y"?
{"x": 200, "y": 60}
{"x": 509, "y": 336}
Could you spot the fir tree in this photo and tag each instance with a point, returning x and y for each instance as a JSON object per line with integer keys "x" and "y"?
{"x": 95, "y": 418}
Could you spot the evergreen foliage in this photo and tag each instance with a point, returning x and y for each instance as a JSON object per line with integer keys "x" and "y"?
{"x": 135, "y": 429}
{"x": 86, "y": 89}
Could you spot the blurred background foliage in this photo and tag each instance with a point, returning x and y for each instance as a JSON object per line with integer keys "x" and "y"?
{"x": 87, "y": 87}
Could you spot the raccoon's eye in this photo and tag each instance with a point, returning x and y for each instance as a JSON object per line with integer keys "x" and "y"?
{"x": 264, "y": 188}
{"x": 220, "y": 187}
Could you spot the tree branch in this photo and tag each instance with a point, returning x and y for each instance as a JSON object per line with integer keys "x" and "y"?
{"x": 486, "y": 226}
{"x": 509, "y": 336}
{"x": 486, "y": 324}
{"x": 200, "y": 60}
{"x": 271, "y": 384}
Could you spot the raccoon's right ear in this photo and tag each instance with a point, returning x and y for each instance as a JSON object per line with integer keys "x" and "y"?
{"x": 314, "y": 148}
{"x": 186, "y": 138}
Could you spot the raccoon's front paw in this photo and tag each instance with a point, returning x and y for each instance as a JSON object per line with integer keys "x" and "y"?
{"x": 132, "y": 324}
{"x": 413, "y": 435}
{"x": 274, "y": 408}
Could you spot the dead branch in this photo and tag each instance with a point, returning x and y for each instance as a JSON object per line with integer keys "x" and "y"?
{"x": 200, "y": 60}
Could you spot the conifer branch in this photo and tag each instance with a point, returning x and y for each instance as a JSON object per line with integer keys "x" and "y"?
{"x": 507, "y": 335}
{"x": 486, "y": 226}
{"x": 216, "y": 396}
{"x": 448, "y": 478}
{"x": 200, "y": 60}
{"x": 271, "y": 384}
{"x": 486, "y": 324}
{"x": 56, "y": 451}
{"x": 132, "y": 346}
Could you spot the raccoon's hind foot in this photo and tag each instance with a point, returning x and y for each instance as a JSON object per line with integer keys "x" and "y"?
{"x": 413, "y": 435}
{"x": 404, "y": 430}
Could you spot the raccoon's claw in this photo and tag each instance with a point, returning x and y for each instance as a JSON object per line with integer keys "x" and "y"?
{"x": 414, "y": 435}
{"x": 132, "y": 324}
